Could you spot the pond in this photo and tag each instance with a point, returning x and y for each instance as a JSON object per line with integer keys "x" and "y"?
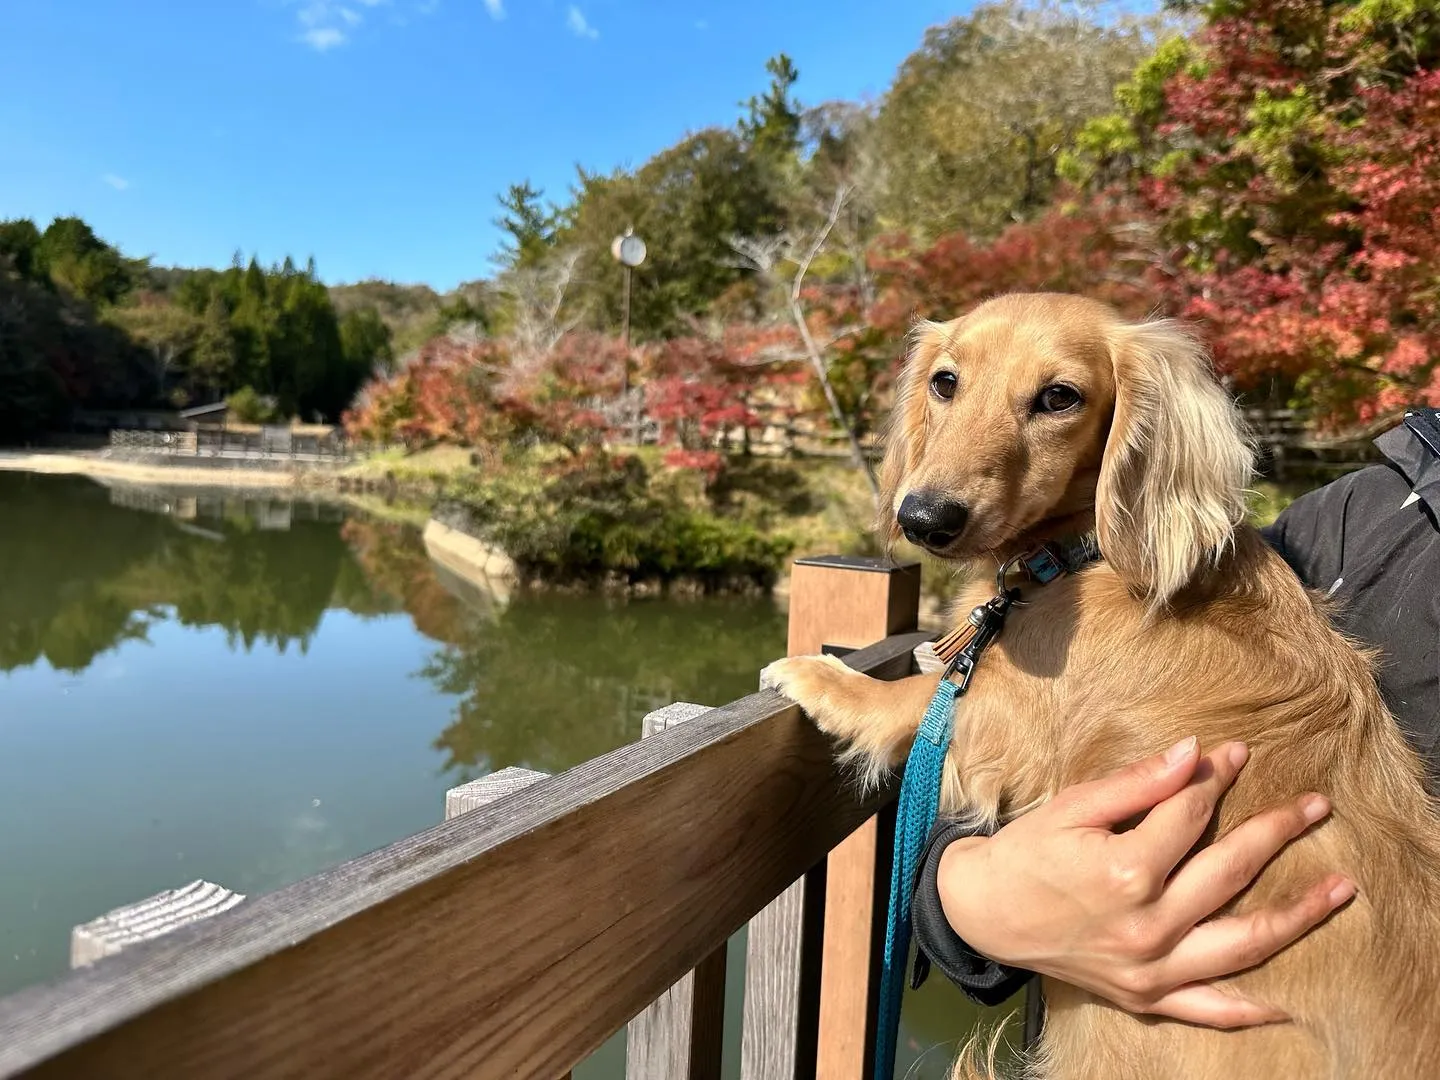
{"x": 249, "y": 690}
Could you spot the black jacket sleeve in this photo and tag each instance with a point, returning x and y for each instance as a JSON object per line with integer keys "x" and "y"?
{"x": 983, "y": 980}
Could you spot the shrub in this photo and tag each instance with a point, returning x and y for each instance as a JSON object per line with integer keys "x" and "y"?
{"x": 597, "y": 518}
{"x": 248, "y": 407}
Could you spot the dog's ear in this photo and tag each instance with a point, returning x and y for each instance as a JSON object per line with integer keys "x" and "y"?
{"x": 1177, "y": 462}
{"x": 905, "y": 433}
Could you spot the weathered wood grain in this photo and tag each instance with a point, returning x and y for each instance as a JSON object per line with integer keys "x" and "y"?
{"x": 680, "y": 1034}
{"x": 160, "y": 914}
{"x": 670, "y": 716}
{"x": 782, "y": 983}
{"x": 508, "y": 942}
{"x": 488, "y": 789}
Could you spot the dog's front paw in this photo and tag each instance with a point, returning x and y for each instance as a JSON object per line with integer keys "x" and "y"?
{"x": 821, "y": 685}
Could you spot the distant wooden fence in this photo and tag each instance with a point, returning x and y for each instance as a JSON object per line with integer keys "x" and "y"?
{"x": 270, "y": 441}
{"x": 163, "y": 442}
{"x": 1290, "y": 447}
{"x": 545, "y": 914}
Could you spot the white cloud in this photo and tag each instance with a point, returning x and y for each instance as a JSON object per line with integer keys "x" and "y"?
{"x": 328, "y": 24}
{"x": 315, "y": 13}
{"x": 323, "y": 38}
{"x": 119, "y": 183}
{"x": 496, "y": 8}
{"x": 579, "y": 25}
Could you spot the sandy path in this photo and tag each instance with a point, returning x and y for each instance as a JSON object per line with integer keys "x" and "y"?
{"x": 86, "y": 465}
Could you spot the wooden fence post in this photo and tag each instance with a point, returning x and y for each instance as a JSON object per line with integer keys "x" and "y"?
{"x": 161, "y": 913}
{"x": 681, "y": 1035}
{"x": 483, "y": 792}
{"x": 812, "y": 968}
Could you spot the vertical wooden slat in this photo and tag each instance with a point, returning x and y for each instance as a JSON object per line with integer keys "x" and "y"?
{"x": 680, "y": 1036}
{"x": 783, "y": 963}
{"x": 848, "y": 602}
{"x": 854, "y": 944}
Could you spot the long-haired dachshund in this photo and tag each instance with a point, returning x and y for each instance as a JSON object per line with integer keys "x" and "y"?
{"x": 1037, "y": 417}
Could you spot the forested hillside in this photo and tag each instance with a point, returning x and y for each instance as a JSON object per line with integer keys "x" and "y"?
{"x": 1267, "y": 168}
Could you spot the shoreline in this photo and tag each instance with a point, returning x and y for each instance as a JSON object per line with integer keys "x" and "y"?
{"x": 462, "y": 555}
{"x": 73, "y": 463}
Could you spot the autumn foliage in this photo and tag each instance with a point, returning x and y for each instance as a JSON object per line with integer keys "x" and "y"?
{"x": 1295, "y": 174}
{"x": 1274, "y": 178}
{"x": 482, "y": 393}
{"x": 703, "y": 390}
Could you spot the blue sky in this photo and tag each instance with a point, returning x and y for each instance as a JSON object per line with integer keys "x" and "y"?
{"x": 375, "y": 134}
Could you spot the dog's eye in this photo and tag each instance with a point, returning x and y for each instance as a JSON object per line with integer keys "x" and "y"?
{"x": 1057, "y": 398}
{"x": 943, "y": 384}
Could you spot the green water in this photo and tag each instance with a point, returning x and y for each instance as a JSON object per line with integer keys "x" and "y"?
{"x": 251, "y": 690}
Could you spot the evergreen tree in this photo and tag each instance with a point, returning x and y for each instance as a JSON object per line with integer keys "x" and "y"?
{"x": 214, "y": 356}
{"x": 528, "y": 224}
{"x": 772, "y": 127}
{"x": 82, "y": 263}
{"x": 20, "y": 245}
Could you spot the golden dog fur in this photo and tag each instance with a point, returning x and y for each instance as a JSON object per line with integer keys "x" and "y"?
{"x": 1190, "y": 626}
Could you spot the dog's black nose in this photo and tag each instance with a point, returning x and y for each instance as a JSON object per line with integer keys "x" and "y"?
{"x": 931, "y": 521}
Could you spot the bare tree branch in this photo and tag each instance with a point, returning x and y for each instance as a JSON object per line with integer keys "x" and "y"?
{"x": 540, "y": 320}
{"x": 762, "y": 254}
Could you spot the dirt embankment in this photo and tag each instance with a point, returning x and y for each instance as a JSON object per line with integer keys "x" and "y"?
{"x": 145, "y": 469}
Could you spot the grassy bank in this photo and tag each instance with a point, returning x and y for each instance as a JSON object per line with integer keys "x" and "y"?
{"x": 821, "y": 505}
{"x": 624, "y": 521}
{"x": 655, "y": 526}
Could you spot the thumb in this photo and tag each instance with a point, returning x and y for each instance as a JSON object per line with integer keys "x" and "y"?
{"x": 1133, "y": 789}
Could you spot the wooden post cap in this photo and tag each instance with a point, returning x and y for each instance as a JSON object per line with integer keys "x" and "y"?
{"x": 484, "y": 791}
{"x": 678, "y": 712}
{"x": 161, "y": 913}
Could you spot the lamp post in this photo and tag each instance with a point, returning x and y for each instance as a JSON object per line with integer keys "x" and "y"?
{"x": 629, "y": 252}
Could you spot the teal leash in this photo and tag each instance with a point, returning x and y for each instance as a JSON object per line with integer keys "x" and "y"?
{"x": 915, "y": 817}
{"x": 919, "y": 801}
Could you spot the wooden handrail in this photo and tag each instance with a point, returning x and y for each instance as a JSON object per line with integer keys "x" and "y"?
{"x": 510, "y": 941}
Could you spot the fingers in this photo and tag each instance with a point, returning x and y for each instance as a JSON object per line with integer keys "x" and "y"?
{"x": 1129, "y": 791}
{"x": 1174, "y": 825}
{"x": 1238, "y": 942}
{"x": 1217, "y": 874}
{"x": 1210, "y": 1007}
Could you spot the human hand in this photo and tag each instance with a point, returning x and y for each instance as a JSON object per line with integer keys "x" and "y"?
{"x": 1059, "y": 892}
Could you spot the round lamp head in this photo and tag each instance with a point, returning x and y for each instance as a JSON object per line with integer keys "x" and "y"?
{"x": 628, "y": 249}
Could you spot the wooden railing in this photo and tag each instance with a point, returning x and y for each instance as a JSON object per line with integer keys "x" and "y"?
{"x": 1291, "y": 449}
{"x": 546, "y": 913}
{"x": 273, "y": 442}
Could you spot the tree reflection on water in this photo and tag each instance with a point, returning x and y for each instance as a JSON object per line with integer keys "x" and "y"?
{"x": 546, "y": 680}
{"x": 549, "y": 680}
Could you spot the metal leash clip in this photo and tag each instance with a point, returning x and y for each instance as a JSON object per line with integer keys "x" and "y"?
{"x": 988, "y": 619}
